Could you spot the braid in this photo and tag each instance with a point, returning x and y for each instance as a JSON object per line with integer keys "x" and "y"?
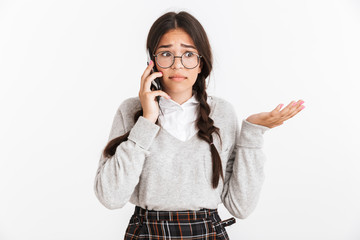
{"x": 206, "y": 127}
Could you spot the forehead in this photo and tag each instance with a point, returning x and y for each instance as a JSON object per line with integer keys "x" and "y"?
{"x": 176, "y": 37}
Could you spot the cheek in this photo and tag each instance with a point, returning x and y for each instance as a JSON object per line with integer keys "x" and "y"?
{"x": 159, "y": 69}
{"x": 166, "y": 74}
{"x": 194, "y": 75}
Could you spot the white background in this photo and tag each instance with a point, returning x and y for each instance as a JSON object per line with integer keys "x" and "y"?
{"x": 65, "y": 67}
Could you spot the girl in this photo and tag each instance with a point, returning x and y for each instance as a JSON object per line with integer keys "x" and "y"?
{"x": 169, "y": 165}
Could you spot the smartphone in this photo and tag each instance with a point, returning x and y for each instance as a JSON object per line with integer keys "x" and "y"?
{"x": 155, "y": 84}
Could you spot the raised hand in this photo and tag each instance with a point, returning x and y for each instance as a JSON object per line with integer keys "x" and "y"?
{"x": 276, "y": 117}
{"x": 147, "y": 97}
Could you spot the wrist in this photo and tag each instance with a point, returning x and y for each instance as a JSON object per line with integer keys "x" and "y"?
{"x": 151, "y": 119}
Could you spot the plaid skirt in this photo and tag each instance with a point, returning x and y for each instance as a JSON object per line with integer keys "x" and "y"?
{"x": 188, "y": 224}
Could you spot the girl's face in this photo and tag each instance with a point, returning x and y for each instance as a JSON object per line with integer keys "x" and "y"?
{"x": 177, "y": 41}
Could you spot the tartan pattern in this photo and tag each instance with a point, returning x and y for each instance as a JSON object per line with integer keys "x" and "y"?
{"x": 203, "y": 224}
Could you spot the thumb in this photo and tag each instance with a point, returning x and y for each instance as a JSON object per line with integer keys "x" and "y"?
{"x": 164, "y": 94}
{"x": 279, "y": 107}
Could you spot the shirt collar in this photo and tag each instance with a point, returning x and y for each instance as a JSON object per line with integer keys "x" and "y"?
{"x": 168, "y": 104}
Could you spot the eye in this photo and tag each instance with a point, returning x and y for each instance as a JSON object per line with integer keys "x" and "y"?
{"x": 189, "y": 54}
{"x": 165, "y": 54}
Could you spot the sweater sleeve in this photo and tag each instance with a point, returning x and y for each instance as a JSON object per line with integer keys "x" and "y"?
{"x": 244, "y": 171}
{"x": 117, "y": 176}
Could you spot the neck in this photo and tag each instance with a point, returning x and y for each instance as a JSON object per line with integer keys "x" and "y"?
{"x": 180, "y": 98}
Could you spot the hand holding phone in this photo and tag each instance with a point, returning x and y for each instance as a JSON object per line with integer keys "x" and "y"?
{"x": 150, "y": 92}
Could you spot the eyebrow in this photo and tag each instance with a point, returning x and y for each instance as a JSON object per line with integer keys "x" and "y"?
{"x": 183, "y": 45}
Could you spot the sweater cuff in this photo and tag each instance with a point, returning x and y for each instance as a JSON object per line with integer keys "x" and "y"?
{"x": 251, "y": 135}
{"x": 143, "y": 132}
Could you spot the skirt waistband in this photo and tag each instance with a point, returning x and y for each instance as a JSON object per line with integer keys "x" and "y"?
{"x": 187, "y": 215}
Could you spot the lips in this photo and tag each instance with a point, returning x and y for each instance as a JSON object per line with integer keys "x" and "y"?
{"x": 177, "y": 76}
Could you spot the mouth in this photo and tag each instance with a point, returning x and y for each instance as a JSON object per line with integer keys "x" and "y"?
{"x": 177, "y": 78}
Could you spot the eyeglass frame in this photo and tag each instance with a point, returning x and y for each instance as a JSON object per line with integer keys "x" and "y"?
{"x": 198, "y": 56}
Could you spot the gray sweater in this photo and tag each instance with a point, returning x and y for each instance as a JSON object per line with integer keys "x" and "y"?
{"x": 157, "y": 171}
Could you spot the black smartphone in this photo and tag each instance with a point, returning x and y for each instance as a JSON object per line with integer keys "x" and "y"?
{"x": 155, "y": 84}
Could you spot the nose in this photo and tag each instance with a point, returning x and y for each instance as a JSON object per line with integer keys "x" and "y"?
{"x": 177, "y": 63}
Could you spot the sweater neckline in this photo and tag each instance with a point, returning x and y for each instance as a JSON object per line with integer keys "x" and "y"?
{"x": 176, "y": 139}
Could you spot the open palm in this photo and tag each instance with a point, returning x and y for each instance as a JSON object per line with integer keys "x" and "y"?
{"x": 277, "y": 117}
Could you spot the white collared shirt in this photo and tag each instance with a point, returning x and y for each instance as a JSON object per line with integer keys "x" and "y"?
{"x": 179, "y": 119}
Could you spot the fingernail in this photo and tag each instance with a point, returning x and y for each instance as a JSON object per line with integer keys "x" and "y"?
{"x": 302, "y": 107}
{"x": 150, "y": 62}
{"x": 161, "y": 72}
{"x": 281, "y": 105}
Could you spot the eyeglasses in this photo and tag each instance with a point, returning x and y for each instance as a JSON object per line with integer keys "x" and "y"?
{"x": 166, "y": 59}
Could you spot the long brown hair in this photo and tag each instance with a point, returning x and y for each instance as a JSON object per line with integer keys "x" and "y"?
{"x": 205, "y": 124}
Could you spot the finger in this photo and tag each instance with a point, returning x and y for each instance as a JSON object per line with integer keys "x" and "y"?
{"x": 284, "y": 112}
{"x": 298, "y": 109}
{"x": 279, "y": 107}
{"x": 149, "y": 79}
{"x": 288, "y": 108}
{"x": 293, "y": 110}
{"x": 160, "y": 93}
{"x": 297, "y": 106}
{"x": 146, "y": 74}
{"x": 147, "y": 70}
{"x": 276, "y": 111}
